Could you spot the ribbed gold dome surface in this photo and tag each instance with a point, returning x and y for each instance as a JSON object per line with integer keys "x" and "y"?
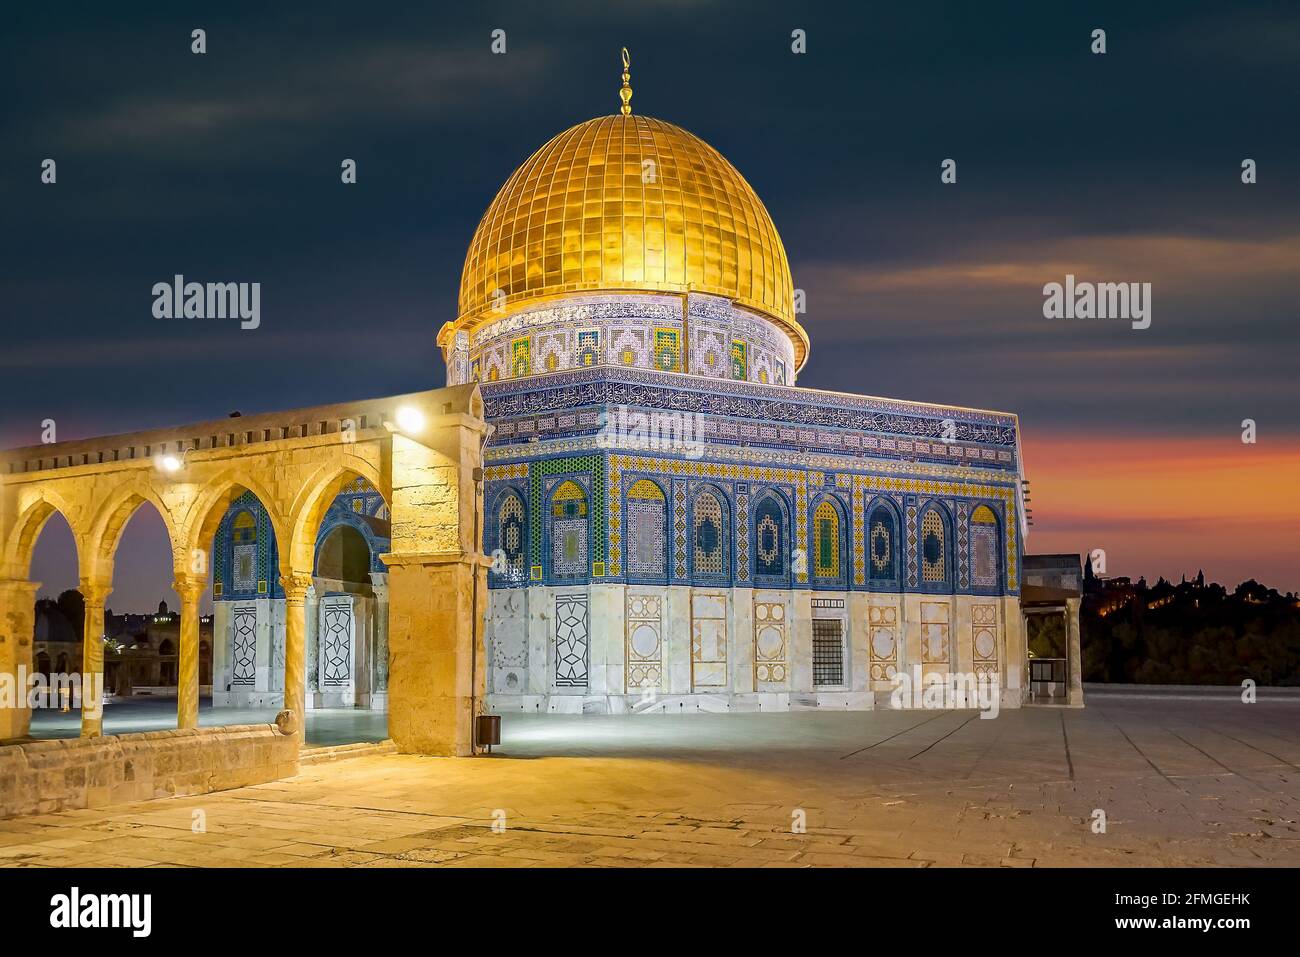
{"x": 628, "y": 202}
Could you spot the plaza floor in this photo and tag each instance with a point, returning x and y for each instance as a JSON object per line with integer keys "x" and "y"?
{"x": 1185, "y": 781}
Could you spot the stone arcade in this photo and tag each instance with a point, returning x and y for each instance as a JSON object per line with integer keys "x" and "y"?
{"x": 287, "y": 505}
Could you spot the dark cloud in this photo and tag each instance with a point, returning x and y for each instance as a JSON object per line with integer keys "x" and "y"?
{"x": 225, "y": 166}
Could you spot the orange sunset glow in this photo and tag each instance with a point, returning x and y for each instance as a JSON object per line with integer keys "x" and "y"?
{"x": 1231, "y": 509}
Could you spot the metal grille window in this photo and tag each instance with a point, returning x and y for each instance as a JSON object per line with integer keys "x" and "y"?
{"x": 828, "y": 652}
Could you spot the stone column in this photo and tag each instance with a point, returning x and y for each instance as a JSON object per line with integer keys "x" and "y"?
{"x": 1074, "y": 652}
{"x": 311, "y": 625}
{"x": 435, "y": 631}
{"x": 17, "y": 625}
{"x": 379, "y": 695}
{"x": 432, "y": 686}
{"x": 190, "y": 589}
{"x": 92, "y": 658}
{"x": 296, "y": 586}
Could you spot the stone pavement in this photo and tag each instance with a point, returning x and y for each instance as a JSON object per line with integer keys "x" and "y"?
{"x": 1183, "y": 782}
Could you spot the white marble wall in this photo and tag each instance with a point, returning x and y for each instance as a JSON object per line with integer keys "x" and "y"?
{"x": 620, "y": 650}
{"x": 367, "y": 686}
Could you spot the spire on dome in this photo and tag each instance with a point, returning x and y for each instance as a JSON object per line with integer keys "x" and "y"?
{"x": 625, "y": 94}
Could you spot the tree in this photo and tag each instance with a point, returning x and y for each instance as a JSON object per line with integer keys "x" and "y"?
{"x": 73, "y": 606}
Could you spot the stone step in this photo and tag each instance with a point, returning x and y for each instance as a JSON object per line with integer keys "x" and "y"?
{"x": 342, "y": 752}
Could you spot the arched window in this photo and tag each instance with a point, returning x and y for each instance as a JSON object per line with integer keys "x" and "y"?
{"x": 827, "y": 547}
{"x": 934, "y": 547}
{"x": 570, "y": 531}
{"x": 985, "y": 571}
{"x": 511, "y": 537}
{"x": 710, "y": 557}
{"x": 243, "y": 557}
{"x": 770, "y": 541}
{"x": 646, "y": 528}
{"x": 882, "y": 545}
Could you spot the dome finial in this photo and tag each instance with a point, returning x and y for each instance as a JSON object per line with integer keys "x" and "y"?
{"x": 625, "y": 94}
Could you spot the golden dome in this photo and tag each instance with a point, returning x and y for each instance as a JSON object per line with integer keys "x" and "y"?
{"x": 627, "y": 202}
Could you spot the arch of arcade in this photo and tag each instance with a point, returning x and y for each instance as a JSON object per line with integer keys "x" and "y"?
{"x": 295, "y": 463}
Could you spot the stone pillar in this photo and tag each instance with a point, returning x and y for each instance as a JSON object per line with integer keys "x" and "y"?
{"x": 92, "y": 658}
{"x": 1074, "y": 652}
{"x": 379, "y": 680}
{"x": 432, "y": 688}
{"x": 17, "y": 625}
{"x": 296, "y": 586}
{"x": 190, "y": 589}
{"x": 435, "y": 629}
{"x": 311, "y": 628}
{"x": 221, "y": 653}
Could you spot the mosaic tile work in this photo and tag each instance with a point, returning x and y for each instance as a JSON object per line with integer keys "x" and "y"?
{"x": 769, "y": 534}
{"x": 933, "y": 547}
{"x": 826, "y": 541}
{"x": 714, "y": 471}
{"x": 679, "y": 530}
{"x": 739, "y": 360}
{"x": 933, "y": 487}
{"x": 709, "y": 539}
{"x": 245, "y": 558}
{"x": 243, "y": 565}
{"x": 510, "y": 534}
{"x": 569, "y": 531}
{"x": 593, "y": 467}
{"x": 742, "y": 540}
{"x": 882, "y": 550}
{"x": 984, "y": 548}
{"x": 668, "y": 350}
{"x": 962, "y": 511}
{"x": 520, "y": 360}
{"x": 588, "y": 348}
{"x": 646, "y": 531}
{"x": 686, "y": 475}
{"x": 878, "y": 425}
{"x": 638, "y": 330}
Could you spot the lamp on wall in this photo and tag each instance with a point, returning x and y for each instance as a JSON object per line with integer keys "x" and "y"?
{"x": 171, "y": 462}
{"x": 408, "y": 420}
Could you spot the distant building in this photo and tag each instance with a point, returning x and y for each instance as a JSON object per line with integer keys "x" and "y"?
{"x": 142, "y": 654}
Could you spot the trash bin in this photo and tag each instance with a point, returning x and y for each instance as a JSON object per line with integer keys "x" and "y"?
{"x": 487, "y": 730}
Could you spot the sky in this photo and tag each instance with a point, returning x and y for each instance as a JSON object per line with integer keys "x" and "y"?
{"x": 1118, "y": 167}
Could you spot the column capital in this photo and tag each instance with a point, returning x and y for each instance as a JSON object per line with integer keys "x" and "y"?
{"x": 16, "y": 587}
{"x": 95, "y": 591}
{"x": 295, "y": 585}
{"x": 189, "y": 586}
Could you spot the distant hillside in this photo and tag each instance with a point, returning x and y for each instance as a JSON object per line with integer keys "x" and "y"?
{"x": 1191, "y": 633}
